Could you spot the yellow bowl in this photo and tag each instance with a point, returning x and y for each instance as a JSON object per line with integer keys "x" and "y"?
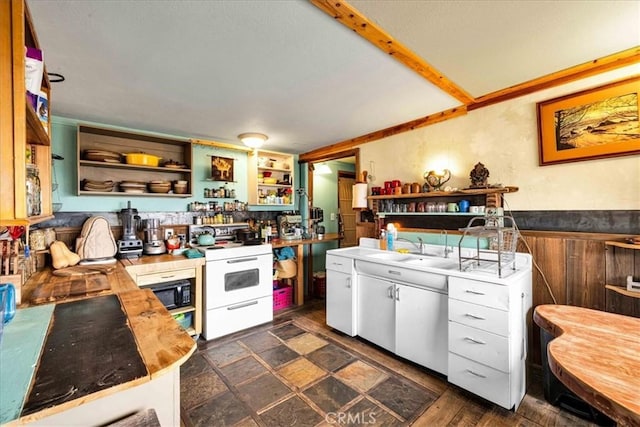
{"x": 142, "y": 159}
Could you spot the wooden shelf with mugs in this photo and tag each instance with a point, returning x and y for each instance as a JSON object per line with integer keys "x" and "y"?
{"x": 465, "y": 202}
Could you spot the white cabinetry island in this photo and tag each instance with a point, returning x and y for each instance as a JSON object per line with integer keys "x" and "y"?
{"x": 467, "y": 325}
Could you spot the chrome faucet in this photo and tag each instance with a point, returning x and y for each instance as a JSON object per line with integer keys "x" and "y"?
{"x": 447, "y": 249}
{"x": 419, "y": 247}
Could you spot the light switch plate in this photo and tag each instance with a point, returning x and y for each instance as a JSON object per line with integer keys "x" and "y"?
{"x": 333, "y": 216}
{"x": 168, "y": 232}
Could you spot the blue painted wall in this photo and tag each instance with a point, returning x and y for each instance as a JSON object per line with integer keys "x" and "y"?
{"x": 64, "y": 136}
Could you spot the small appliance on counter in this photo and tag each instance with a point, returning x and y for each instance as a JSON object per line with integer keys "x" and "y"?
{"x": 153, "y": 242}
{"x": 129, "y": 246}
{"x": 290, "y": 227}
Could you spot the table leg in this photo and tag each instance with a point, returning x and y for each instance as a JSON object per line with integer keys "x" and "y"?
{"x": 299, "y": 291}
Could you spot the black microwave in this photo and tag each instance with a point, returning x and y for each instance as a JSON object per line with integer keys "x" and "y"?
{"x": 173, "y": 294}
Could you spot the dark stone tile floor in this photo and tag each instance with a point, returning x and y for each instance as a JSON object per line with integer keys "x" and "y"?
{"x": 283, "y": 375}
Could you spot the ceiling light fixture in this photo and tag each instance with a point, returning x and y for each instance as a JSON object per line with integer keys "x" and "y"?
{"x": 253, "y": 139}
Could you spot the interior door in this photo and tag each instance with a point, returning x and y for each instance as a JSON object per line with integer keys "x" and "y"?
{"x": 347, "y": 216}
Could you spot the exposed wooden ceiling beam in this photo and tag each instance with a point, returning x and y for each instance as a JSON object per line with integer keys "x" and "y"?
{"x": 329, "y": 150}
{"x": 587, "y": 69}
{"x": 348, "y": 16}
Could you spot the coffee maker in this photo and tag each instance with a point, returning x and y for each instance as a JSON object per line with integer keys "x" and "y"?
{"x": 290, "y": 226}
{"x": 129, "y": 246}
{"x": 153, "y": 241}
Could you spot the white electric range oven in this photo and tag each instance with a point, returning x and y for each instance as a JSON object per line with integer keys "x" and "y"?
{"x": 238, "y": 286}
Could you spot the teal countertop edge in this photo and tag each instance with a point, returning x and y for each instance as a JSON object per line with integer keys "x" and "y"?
{"x": 20, "y": 349}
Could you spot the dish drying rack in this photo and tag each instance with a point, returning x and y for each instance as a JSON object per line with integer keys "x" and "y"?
{"x": 502, "y": 234}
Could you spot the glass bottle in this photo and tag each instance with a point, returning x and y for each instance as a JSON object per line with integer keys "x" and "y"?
{"x": 34, "y": 194}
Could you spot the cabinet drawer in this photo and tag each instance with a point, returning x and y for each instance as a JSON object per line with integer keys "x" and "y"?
{"x": 338, "y": 263}
{"x": 479, "y": 317}
{"x": 481, "y": 346}
{"x": 477, "y": 292}
{"x": 479, "y": 379}
{"x": 396, "y": 274}
{"x": 236, "y": 317}
{"x": 165, "y": 276}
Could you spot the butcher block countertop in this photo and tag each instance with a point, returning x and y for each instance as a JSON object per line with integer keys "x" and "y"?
{"x": 167, "y": 261}
{"x": 597, "y": 356}
{"x": 95, "y": 341}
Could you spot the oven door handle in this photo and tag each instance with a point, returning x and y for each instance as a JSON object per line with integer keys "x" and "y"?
{"x": 235, "y": 261}
{"x": 246, "y": 304}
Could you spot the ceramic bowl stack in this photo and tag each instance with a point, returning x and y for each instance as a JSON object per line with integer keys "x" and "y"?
{"x": 101, "y": 186}
{"x": 159, "y": 186}
{"x": 180, "y": 187}
{"x": 102, "y": 156}
{"x": 133, "y": 187}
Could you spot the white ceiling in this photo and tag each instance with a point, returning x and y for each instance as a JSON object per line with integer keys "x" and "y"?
{"x": 214, "y": 69}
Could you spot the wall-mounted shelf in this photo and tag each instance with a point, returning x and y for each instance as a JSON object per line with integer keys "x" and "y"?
{"x": 621, "y": 260}
{"x": 459, "y": 193}
{"x": 280, "y": 168}
{"x": 95, "y": 138}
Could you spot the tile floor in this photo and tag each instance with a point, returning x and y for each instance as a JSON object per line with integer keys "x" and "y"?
{"x": 298, "y": 372}
{"x": 286, "y": 375}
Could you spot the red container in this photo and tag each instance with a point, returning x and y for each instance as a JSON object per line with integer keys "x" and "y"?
{"x": 387, "y": 184}
{"x": 395, "y": 183}
{"x": 282, "y": 298}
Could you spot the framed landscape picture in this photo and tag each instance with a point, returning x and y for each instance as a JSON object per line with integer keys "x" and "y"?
{"x": 592, "y": 124}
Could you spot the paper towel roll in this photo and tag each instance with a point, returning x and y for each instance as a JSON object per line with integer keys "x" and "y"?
{"x": 360, "y": 196}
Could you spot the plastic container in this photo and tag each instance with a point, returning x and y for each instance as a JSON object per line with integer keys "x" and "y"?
{"x": 184, "y": 319}
{"x": 282, "y": 297}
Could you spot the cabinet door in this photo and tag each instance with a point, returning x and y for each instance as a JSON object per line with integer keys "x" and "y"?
{"x": 376, "y": 311}
{"x": 340, "y": 302}
{"x": 421, "y": 327}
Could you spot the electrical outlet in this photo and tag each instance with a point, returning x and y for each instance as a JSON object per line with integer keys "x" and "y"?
{"x": 333, "y": 216}
{"x": 168, "y": 232}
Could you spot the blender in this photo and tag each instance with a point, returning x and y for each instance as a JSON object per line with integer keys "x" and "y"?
{"x": 153, "y": 242}
{"x": 129, "y": 246}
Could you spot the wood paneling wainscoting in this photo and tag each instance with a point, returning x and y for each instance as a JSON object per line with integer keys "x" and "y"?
{"x": 577, "y": 266}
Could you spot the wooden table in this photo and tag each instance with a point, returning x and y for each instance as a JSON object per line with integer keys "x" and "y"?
{"x": 597, "y": 356}
{"x": 85, "y": 377}
{"x": 299, "y": 244}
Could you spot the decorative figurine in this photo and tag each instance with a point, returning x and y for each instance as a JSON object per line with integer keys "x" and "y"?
{"x": 436, "y": 179}
{"x": 479, "y": 175}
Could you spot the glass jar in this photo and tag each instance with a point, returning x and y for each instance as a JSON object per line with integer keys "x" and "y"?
{"x": 34, "y": 193}
{"x": 37, "y": 240}
{"x": 49, "y": 236}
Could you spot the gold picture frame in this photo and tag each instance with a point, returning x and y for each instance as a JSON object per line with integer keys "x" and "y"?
{"x": 592, "y": 124}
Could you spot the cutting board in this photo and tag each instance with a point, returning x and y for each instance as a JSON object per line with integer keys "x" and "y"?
{"x": 74, "y": 286}
{"x": 81, "y": 270}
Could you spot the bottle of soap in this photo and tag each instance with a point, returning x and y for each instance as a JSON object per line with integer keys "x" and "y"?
{"x": 391, "y": 231}
{"x": 383, "y": 240}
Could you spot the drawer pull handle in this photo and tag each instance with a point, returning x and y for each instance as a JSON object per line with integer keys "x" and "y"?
{"x": 473, "y": 316}
{"x": 474, "y": 292}
{"x": 337, "y": 263}
{"x": 390, "y": 291}
{"x": 476, "y": 374}
{"x": 235, "y": 261}
{"x": 349, "y": 282}
{"x": 397, "y": 294}
{"x": 167, "y": 277}
{"x": 474, "y": 340}
{"x": 246, "y": 304}
{"x": 397, "y": 273}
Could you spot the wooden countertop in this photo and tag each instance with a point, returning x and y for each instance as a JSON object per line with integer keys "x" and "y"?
{"x": 168, "y": 261}
{"x": 597, "y": 356}
{"x": 160, "y": 342}
{"x": 284, "y": 243}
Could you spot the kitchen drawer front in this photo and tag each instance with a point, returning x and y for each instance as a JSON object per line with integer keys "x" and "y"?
{"x": 477, "y": 292}
{"x": 165, "y": 276}
{"x": 395, "y": 274}
{"x": 479, "y": 379}
{"x": 481, "y": 346}
{"x": 479, "y": 317}
{"x": 236, "y": 317}
{"x": 339, "y": 263}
